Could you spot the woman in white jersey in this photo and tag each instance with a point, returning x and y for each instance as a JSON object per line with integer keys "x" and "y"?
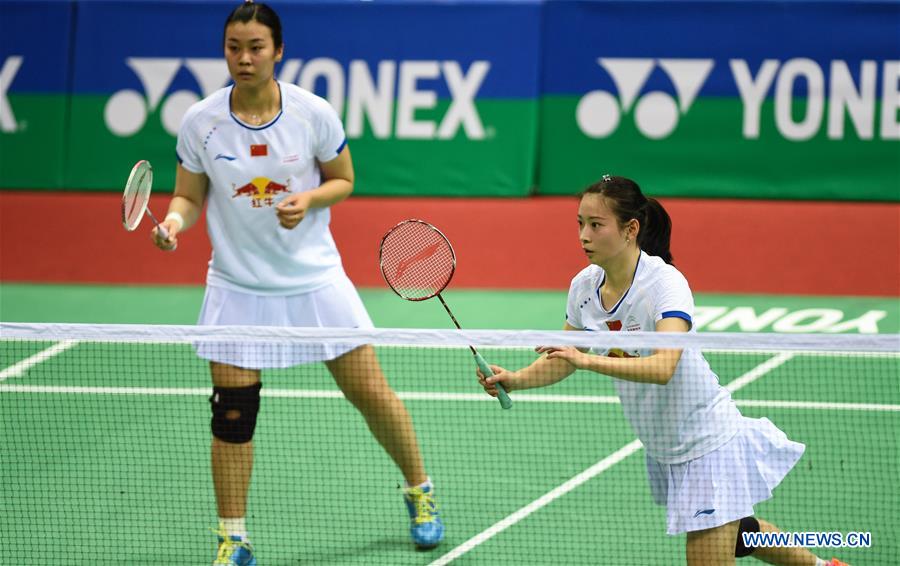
{"x": 706, "y": 463}
{"x": 269, "y": 159}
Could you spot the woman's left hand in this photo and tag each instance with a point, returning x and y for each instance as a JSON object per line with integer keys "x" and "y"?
{"x": 570, "y": 354}
{"x": 292, "y": 209}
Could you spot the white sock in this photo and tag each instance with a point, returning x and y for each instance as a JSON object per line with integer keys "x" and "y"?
{"x": 234, "y": 527}
{"x": 427, "y": 483}
{"x": 820, "y": 562}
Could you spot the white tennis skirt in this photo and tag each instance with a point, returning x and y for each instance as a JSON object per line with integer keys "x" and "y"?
{"x": 724, "y": 485}
{"x": 337, "y": 305}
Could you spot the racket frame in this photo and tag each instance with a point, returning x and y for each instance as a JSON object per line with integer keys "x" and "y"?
{"x": 141, "y": 166}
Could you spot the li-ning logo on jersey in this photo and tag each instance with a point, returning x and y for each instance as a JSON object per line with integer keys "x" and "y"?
{"x": 656, "y": 114}
{"x": 127, "y": 110}
{"x": 261, "y": 191}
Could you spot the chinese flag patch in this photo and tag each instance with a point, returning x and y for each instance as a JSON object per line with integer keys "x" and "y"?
{"x": 260, "y": 150}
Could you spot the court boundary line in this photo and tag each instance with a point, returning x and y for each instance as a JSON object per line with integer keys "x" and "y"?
{"x": 595, "y": 470}
{"x": 424, "y": 396}
{"x": 20, "y": 367}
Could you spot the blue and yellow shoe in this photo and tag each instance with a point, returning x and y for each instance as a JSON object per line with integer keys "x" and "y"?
{"x": 426, "y": 527}
{"x": 233, "y": 550}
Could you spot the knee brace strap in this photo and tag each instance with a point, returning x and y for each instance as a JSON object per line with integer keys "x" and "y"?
{"x": 748, "y": 525}
{"x": 244, "y": 401}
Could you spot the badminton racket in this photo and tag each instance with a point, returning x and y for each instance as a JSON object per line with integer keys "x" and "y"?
{"x": 417, "y": 262}
{"x": 136, "y": 198}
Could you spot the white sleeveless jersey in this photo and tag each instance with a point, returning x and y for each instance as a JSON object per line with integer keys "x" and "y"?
{"x": 692, "y": 414}
{"x": 250, "y": 169}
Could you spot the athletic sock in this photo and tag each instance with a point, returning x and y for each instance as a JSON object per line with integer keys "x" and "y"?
{"x": 425, "y": 484}
{"x": 235, "y": 527}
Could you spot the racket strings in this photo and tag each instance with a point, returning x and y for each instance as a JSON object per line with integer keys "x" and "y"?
{"x": 417, "y": 261}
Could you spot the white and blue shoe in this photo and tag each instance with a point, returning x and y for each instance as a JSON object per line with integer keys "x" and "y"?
{"x": 233, "y": 550}
{"x": 426, "y": 527}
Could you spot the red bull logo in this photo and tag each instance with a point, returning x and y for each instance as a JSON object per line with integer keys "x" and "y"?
{"x": 261, "y": 191}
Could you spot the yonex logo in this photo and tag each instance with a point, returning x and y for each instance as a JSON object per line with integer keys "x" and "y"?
{"x": 656, "y": 114}
{"x": 392, "y": 95}
{"x": 7, "y": 76}
{"x": 127, "y": 110}
{"x": 390, "y": 100}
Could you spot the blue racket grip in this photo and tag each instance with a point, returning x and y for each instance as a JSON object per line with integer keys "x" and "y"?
{"x": 502, "y": 396}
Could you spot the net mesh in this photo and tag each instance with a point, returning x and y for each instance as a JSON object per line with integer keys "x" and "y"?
{"x": 136, "y": 195}
{"x": 106, "y": 431}
{"x": 417, "y": 261}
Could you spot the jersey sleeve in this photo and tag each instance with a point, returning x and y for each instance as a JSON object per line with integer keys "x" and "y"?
{"x": 186, "y": 148}
{"x": 674, "y": 298}
{"x": 330, "y": 136}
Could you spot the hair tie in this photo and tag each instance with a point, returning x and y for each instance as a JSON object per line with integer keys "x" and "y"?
{"x": 607, "y": 178}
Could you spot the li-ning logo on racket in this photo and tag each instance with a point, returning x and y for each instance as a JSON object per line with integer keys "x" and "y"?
{"x": 656, "y": 114}
{"x": 261, "y": 191}
{"x": 421, "y": 256}
{"x": 127, "y": 110}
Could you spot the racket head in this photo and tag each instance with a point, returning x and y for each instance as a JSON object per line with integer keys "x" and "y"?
{"x": 416, "y": 259}
{"x": 136, "y": 196}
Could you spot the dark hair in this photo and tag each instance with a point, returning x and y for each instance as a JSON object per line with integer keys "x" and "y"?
{"x": 249, "y": 11}
{"x": 625, "y": 199}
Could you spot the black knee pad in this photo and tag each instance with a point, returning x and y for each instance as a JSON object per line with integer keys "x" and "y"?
{"x": 243, "y": 400}
{"x": 748, "y": 525}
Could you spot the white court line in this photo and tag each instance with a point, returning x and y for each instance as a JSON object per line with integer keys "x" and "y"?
{"x": 594, "y": 470}
{"x": 542, "y": 501}
{"x": 759, "y": 371}
{"x": 17, "y": 369}
{"x": 302, "y": 394}
{"x": 422, "y": 396}
{"x": 818, "y": 405}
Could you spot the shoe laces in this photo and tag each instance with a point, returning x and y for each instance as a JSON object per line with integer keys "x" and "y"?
{"x": 227, "y": 546}
{"x": 424, "y": 504}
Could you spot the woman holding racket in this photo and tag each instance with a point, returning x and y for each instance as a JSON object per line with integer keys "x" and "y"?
{"x": 269, "y": 159}
{"x": 706, "y": 463}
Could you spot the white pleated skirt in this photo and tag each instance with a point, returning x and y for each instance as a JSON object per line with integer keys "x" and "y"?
{"x": 724, "y": 485}
{"x": 337, "y": 305}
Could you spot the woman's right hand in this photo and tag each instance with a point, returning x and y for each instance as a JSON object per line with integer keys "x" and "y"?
{"x": 502, "y": 375}
{"x": 166, "y": 244}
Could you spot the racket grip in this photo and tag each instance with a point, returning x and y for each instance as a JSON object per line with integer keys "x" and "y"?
{"x": 163, "y": 233}
{"x": 502, "y": 396}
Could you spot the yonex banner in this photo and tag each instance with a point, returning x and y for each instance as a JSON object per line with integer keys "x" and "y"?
{"x": 436, "y": 98}
{"x": 747, "y": 99}
{"x": 791, "y": 100}
{"x": 35, "y": 40}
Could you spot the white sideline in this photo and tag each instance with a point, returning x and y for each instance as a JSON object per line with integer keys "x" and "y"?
{"x": 17, "y": 369}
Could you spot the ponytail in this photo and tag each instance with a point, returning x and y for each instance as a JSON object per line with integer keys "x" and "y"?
{"x": 656, "y": 231}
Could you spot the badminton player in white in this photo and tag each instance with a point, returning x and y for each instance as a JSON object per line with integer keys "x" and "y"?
{"x": 269, "y": 159}
{"x": 706, "y": 463}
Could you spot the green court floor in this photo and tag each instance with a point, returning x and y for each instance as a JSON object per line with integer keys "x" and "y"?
{"x": 105, "y": 446}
